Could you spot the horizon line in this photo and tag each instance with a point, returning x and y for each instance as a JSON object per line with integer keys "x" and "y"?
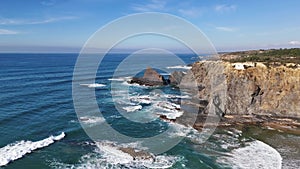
{"x": 128, "y": 52}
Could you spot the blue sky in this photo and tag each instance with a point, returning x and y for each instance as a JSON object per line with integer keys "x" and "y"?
{"x": 65, "y": 25}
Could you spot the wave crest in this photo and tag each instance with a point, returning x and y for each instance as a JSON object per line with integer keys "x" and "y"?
{"x": 14, "y": 151}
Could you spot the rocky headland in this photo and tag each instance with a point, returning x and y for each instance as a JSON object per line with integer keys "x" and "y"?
{"x": 253, "y": 92}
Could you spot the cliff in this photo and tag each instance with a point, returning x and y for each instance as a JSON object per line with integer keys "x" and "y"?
{"x": 251, "y": 88}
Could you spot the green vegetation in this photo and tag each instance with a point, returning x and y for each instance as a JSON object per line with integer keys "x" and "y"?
{"x": 269, "y": 57}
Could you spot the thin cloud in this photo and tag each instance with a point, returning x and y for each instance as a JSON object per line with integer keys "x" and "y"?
{"x": 5, "y": 21}
{"x": 51, "y": 20}
{"x": 154, "y": 5}
{"x": 225, "y": 8}
{"x": 7, "y": 32}
{"x": 226, "y": 29}
{"x": 294, "y": 42}
{"x": 193, "y": 12}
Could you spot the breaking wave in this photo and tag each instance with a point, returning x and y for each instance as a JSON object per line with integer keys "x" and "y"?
{"x": 256, "y": 155}
{"x": 108, "y": 155}
{"x": 19, "y": 149}
{"x": 120, "y": 79}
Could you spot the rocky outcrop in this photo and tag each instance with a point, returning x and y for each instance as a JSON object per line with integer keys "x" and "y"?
{"x": 150, "y": 78}
{"x": 236, "y": 88}
{"x": 256, "y": 89}
{"x": 137, "y": 154}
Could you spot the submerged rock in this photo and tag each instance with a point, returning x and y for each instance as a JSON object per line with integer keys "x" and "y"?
{"x": 137, "y": 154}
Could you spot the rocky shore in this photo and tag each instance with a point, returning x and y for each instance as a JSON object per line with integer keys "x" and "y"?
{"x": 253, "y": 93}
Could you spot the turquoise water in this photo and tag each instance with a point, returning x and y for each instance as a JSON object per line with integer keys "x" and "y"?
{"x": 36, "y": 103}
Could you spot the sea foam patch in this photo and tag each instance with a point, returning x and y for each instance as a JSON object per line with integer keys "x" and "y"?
{"x": 111, "y": 155}
{"x": 91, "y": 119}
{"x": 132, "y": 108}
{"x": 170, "y": 110}
{"x": 93, "y": 85}
{"x": 120, "y": 79}
{"x": 256, "y": 155}
{"x": 19, "y": 149}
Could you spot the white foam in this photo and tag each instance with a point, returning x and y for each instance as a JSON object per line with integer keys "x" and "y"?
{"x": 116, "y": 79}
{"x": 170, "y": 110}
{"x": 179, "y": 67}
{"x": 108, "y": 155}
{"x": 170, "y": 96}
{"x": 142, "y": 99}
{"x": 179, "y": 130}
{"x": 171, "y": 115}
{"x": 91, "y": 119}
{"x": 114, "y": 155}
{"x": 229, "y": 140}
{"x": 93, "y": 85}
{"x": 120, "y": 79}
{"x": 167, "y": 106}
{"x": 134, "y": 84}
{"x": 17, "y": 150}
{"x": 186, "y": 131}
{"x": 132, "y": 108}
{"x": 256, "y": 155}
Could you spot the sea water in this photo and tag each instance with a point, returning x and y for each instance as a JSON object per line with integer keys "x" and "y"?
{"x": 39, "y": 127}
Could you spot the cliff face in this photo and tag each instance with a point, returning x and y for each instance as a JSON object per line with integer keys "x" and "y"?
{"x": 250, "y": 88}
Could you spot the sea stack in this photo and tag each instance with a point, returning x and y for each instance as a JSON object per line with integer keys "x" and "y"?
{"x": 150, "y": 78}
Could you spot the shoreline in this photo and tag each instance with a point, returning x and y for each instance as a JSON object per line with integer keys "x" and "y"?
{"x": 258, "y": 89}
{"x": 290, "y": 125}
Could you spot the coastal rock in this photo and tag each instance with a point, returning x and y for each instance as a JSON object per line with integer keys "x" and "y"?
{"x": 256, "y": 90}
{"x": 150, "y": 78}
{"x": 137, "y": 154}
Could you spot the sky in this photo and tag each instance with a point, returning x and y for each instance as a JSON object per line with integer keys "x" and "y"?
{"x": 65, "y": 25}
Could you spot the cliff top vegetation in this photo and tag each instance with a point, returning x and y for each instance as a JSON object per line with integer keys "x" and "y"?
{"x": 269, "y": 57}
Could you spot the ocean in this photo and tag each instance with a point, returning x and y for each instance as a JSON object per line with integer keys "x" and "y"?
{"x": 39, "y": 127}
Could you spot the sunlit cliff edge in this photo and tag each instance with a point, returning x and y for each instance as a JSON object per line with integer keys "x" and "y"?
{"x": 253, "y": 91}
{"x": 253, "y": 87}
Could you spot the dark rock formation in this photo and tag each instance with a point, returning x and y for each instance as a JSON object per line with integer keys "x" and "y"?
{"x": 150, "y": 78}
{"x": 164, "y": 117}
{"x": 137, "y": 154}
